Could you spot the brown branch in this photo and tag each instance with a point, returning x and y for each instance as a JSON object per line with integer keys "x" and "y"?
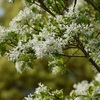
{"x": 97, "y": 35}
{"x": 91, "y": 60}
{"x": 30, "y": 26}
{"x": 70, "y": 47}
{"x": 75, "y": 1}
{"x": 70, "y": 57}
{"x": 81, "y": 47}
{"x": 42, "y": 5}
{"x": 12, "y": 45}
{"x": 93, "y": 5}
{"x": 67, "y": 55}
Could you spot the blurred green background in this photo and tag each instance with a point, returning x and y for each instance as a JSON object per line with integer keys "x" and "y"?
{"x": 14, "y": 86}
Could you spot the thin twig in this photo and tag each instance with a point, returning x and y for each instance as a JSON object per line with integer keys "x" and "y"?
{"x": 97, "y": 35}
{"x": 30, "y": 25}
{"x": 67, "y": 55}
{"x": 42, "y": 5}
{"x": 70, "y": 57}
{"x": 70, "y": 47}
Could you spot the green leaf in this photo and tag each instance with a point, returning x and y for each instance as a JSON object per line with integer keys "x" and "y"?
{"x": 97, "y": 96}
{"x": 2, "y": 49}
{"x": 97, "y": 16}
{"x": 73, "y": 95}
{"x": 91, "y": 90}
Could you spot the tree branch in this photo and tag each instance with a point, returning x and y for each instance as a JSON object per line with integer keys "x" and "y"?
{"x": 42, "y": 5}
{"x": 97, "y": 35}
{"x": 93, "y": 5}
{"x": 70, "y": 57}
{"x": 81, "y": 47}
{"x": 91, "y": 60}
{"x": 75, "y": 1}
{"x": 67, "y": 55}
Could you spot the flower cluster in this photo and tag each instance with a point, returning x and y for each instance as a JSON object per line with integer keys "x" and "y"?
{"x": 44, "y": 93}
{"x": 34, "y": 34}
{"x": 93, "y": 47}
{"x": 82, "y": 91}
{"x": 85, "y": 90}
{"x": 29, "y": 97}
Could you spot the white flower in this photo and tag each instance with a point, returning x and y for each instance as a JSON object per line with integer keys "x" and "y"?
{"x": 81, "y": 98}
{"x": 18, "y": 66}
{"x": 13, "y": 54}
{"x": 29, "y": 97}
{"x": 97, "y": 78}
{"x": 3, "y": 33}
{"x": 56, "y": 69}
{"x": 41, "y": 88}
{"x": 80, "y": 88}
{"x": 11, "y": 1}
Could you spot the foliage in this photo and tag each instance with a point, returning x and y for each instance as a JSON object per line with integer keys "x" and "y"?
{"x": 44, "y": 93}
{"x": 86, "y": 91}
{"x": 82, "y": 91}
{"x": 36, "y": 33}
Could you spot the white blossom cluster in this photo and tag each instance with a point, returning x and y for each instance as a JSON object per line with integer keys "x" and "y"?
{"x": 23, "y": 23}
{"x": 85, "y": 90}
{"x": 93, "y": 47}
{"x": 29, "y": 97}
{"x": 56, "y": 64}
{"x": 82, "y": 91}
{"x": 41, "y": 88}
{"x": 33, "y": 36}
{"x": 3, "y": 34}
{"x": 44, "y": 93}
